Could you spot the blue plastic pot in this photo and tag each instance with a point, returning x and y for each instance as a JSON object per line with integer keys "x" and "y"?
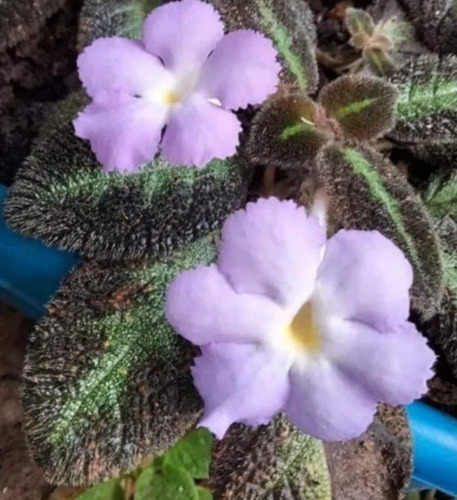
{"x": 30, "y": 273}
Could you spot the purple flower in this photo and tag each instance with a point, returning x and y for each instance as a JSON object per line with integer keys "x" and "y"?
{"x": 289, "y": 322}
{"x": 186, "y": 75}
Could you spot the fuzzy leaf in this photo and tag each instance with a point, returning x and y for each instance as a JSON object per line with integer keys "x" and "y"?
{"x": 377, "y": 465}
{"x": 380, "y": 62}
{"x": 441, "y": 195}
{"x": 436, "y": 22}
{"x": 165, "y": 482}
{"x": 62, "y": 195}
{"x": 192, "y": 453}
{"x": 427, "y": 108}
{"x": 363, "y": 106}
{"x": 284, "y": 133}
{"x": 359, "y": 22}
{"x": 275, "y": 461}
{"x": 290, "y": 26}
{"x": 367, "y": 192}
{"x": 106, "y": 379}
{"x": 111, "y": 490}
{"x": 105, "y": 18}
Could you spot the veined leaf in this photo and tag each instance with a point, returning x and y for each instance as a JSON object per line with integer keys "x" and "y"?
{"x": 62, "y": 196}
{"x": 105, "y": 18}
{"x": 427, "y": 108}
{"x": 367, "y": 192}
{"x": 441, "y": 194}
{"x": 275, "y": 461}
{"x": 359, "y": 22}
{"x": 363, "y": 106}
{"x": 290, "y": 26}
{"x": 286, "y": 133}
{"x": 111, "y": 490}
{"x": 107, "y": 384}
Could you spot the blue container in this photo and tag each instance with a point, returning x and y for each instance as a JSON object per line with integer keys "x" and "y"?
{"x": 30, "y": 273}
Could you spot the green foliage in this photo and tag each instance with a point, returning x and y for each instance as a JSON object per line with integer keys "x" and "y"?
{"x": 290, "y": 26}
{"x": 204, "y": 494}
{"x": 359, "y": 22}
{"x": 427, "y": 108}
{"x": 364, "y": 107}
{"x": 192, "y": 453}
{"x": 367, "y": 192}
{"x": 275, "y": 461}
{"x": 106, "y": 379}
{"x": 62, "y": 196}
{"x": 441, "y": 194}
{"x": 111, "y": 490}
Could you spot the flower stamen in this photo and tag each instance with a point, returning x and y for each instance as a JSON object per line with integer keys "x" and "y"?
{"x": 302, "y": 331}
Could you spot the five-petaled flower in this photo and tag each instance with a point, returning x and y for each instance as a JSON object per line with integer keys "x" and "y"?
{"x": 186, "y": 75}
{"x": 288, "y": 321}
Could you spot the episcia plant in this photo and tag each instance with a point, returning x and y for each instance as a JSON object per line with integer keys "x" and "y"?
{"x": 279, "y": 326}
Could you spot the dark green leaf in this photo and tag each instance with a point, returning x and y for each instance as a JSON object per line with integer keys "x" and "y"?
{"x": 111, "y": 490}
{"x": 204, "y": 494}
{"x": 363, "y": 106}
{"x": 275, "y": 461}
{"x": 359, "y": 22}
{"x": 286, "y": 133}
{"x": 106, "y": 379}
{"x": 441, "y": 194}
{"x": 427, "y": 108}
{"x": 290, "y": 26}
{"x": 192, "y": 453}
{"x": 380, "y": 61}
{"x": 367, "y": 192}
{"x": 165, "y": 483}
{"x": 62, "y": 196}
{"x": 105, "y": 18}
{"x": 436, "y": 22}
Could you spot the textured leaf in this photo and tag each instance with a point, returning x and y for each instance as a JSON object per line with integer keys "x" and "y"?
{"x": 367, "y": 192}
{"x": 106, "y": 379}
{"x": 22, "y": 19}
{"x": 376, "y": 466}
{"x": 111, "y": 490}
{"x": 359, "y": 22}
{"x": 290, "y": 26}
{"x": 165, "y": 482}
{"x": 62, "y": 195}
{"x": 436, "y": 22}
{"x": 192, "y": 453}
{"x": 105, "y": 18}
{"x": 441, "y": 194}
{"x": 363, "y": 106}
{"x": 380, "y": 61}
{"x": 427, "y": 108}
{"x": 286, "y": 133}
{"x": 274, "y": 462}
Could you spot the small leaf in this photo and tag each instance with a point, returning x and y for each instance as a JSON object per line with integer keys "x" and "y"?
{"x": 107, "y": 381}
{"x": 192, "y": 453}
{"x": 441, "y": 194}
{"x": 436, "y": 22}
{"x": 290, "y": 26}
{"x": 62, "y": 196}
{"x": 204, "y": 494}
{"x": 285, "y": 133}
{"x": 105, "y": 18}
{"x": 363, "y": 106}
{"x": 165, "y": 482}
{"x": 380, "y": 61}
{"x": 367, "y": 192}
{"x": 427, "y": 108}
{"x": 275, "y": 461}
{"x": 111, "y": 490}
{"x": 359, "y": 22}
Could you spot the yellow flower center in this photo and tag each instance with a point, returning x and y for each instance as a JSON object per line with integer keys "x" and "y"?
{"x": 302, "y": 331}
{"x": 170, "y": 97}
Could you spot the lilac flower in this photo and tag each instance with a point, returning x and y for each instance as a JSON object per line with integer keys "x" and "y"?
{"x": 184, "y": 74}
{"x": 289, "y": 322}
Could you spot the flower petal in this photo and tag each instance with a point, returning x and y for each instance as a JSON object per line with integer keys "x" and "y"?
{"x": 204, "y": 308}
{"x": 242, "y": 70}
{"x": 327, "y": 404}
{"x": 240, "y": 383}
{"x": 364, "y": 276}
{"x": 272, "y": 248}
{"x": 393, "y": 367}
{"x": 199, "y": 132}
{"x": 183, "y": 34}
{"x": 119, "y": 64}
{"x": 124, "y": 132}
